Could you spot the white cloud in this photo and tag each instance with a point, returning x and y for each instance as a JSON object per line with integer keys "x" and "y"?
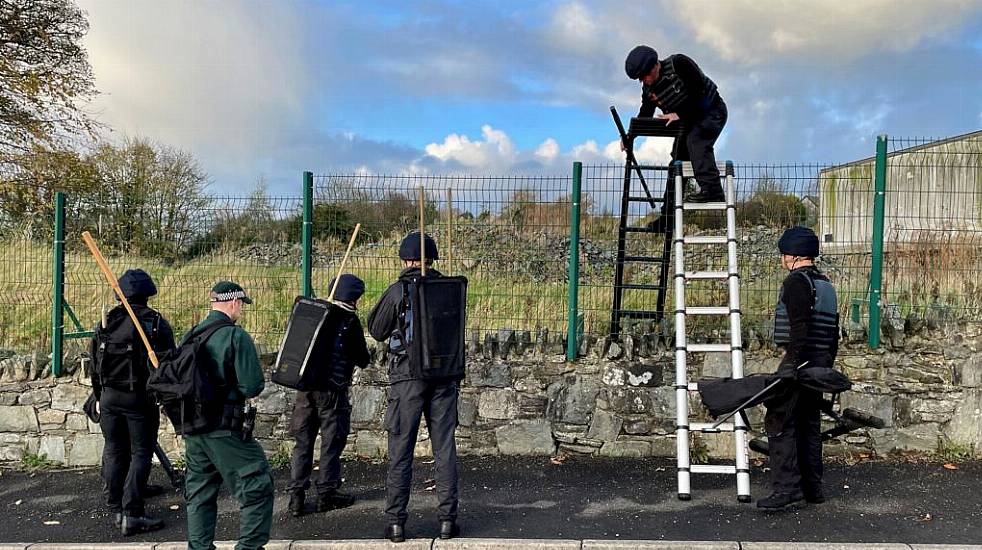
{"x": 495, "y": 150}
{"x": 547, "y": 151}
{"x": 751, "y": 32}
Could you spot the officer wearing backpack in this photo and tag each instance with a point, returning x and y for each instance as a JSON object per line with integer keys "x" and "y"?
{"x": 227, "y": 452}
{"x": 128, "y": 416}
{"x": 326, "y": 407}
{"x": 807, "y": 327}
{"x": 411, "y": 396}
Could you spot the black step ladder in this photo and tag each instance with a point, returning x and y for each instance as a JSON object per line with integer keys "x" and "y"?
{"x": 633, "y": 171}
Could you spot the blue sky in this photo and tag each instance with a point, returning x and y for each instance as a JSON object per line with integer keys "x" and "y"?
{"x": 258, "y": 89}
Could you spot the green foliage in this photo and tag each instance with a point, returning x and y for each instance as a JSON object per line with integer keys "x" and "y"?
{"x": 954, "y": 452}
{"x": 281, "y": 458}
{"x": 33, "y": 462}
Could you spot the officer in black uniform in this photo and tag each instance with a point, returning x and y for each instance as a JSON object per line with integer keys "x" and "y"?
{"x": 128, "y": 415}
{"x": 807, "y": 326}
{"x": 326, "y": 407}
{"x": 685, "y": 95}
{"x": 409, "y": 397}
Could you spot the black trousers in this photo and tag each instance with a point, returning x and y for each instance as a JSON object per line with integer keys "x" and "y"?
{"x": 129, "y": 425}
{"x": 328, "y": 413}
{"x": 696, "y": 146}
{"x": 794, "y": 436}
{"x": 437, "y": 403}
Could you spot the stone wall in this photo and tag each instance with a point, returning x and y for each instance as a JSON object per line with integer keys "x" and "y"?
{"x": 522, "y": 398}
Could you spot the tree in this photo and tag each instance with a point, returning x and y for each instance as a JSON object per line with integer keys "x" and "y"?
{"x": 44, "y": 77}
{"x": 150, "y": 199}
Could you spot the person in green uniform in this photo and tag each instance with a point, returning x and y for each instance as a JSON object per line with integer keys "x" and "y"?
{"x": 228, "y": 454}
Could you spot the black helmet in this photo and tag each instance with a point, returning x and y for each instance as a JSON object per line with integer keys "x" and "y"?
{"x": 409, "y": 248}
{"x": 137, "y": 284}
{"x": 799, "y": 241}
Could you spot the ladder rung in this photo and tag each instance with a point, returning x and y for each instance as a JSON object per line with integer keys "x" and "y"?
{"x": 633, "y": 286}
{"x": 647, "y": 259}
{"x": 704, "y": 239}
{"x": 712, "y": 469}
{"x": 638, "y": 313}
{"x": 701, "y": 310}
{"x": 708, "y": 348}
{"x": 694, "y": 206}
{"x": 705, "y": 275}
{"x": 639, "y": 198}
{"x": 707, "y": 427}
{"x": 725, "y": 169}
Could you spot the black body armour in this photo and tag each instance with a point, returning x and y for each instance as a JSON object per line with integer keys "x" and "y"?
{"x": 823, "y": 329}
{"x": 671, "y": 91}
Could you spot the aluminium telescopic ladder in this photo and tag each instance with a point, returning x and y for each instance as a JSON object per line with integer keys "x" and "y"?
{"x": 685, "y": 427}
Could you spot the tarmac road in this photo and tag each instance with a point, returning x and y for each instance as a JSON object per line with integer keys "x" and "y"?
{"x": 529, "y": 498}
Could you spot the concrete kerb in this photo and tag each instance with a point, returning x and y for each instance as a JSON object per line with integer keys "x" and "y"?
{"x": 501, "y": 544}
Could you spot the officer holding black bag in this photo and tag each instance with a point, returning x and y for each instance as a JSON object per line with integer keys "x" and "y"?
{"x": 422, "y": 317}
{"x": 128, "y": 416}
{"x": 219, "y": 446}
{"x": 324, "y": 405}
{"x": 807, "y": 327}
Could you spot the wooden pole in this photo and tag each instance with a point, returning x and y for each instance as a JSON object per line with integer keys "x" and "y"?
{"x": 422, "y": 232}
{"x": 344, "y": 260}
{"x": 108, "y": 273}
{"x": 450, "y": 217}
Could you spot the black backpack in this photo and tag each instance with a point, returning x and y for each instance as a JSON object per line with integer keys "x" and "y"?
{"x": 431, "y": 326}
{"x": 191, "y": 397}
{"x": 121, "y": 361}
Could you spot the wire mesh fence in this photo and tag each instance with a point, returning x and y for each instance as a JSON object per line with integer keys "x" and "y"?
{"x": 511, "y": 237}
{"x": 933, "y": 226}
{"x": 508, "y": 235}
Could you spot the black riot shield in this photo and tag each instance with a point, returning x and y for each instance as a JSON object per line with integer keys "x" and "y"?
{"x": 293, "y": 362}
{"x": 438, "y": 308}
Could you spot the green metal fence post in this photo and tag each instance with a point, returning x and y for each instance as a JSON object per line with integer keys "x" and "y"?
{"x": 574, "y": 264}
{"x": 58, "y": 286}
{"x": 876, "y": 269}
{"x": 308, "y": 234}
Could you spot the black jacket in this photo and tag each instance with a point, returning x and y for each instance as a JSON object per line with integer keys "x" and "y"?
{"x": 694, "y": 79}
{"x": 384, "y": 320}
{"x": 161, "y": 338}
{"x": 797, "y": 297}
{"x": 340, "y": 353}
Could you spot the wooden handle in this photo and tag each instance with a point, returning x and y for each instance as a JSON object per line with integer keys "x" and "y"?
{"x": 450, "y": 217}
{"x": 422, "y": 232}
{"x": 344, "y": 260}
{"x": 108, "y": 273}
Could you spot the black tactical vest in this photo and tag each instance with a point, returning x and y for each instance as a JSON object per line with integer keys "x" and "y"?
{"x": 672, "y": 93}
{"x": 823, "y": 329}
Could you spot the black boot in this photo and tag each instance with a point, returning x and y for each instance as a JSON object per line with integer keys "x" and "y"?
{"x": 296, "y": 505}
{"x": 132, "y": 525}
{"x": 449, "y": 529}
{"x": 659, "y": 224}
{"x": 708, "y": 195}
{"x": 395, "y": 532}
{"x": 814, "y": 495}
{"x": 333, "y": 501}
{"x": 778, "y": 501}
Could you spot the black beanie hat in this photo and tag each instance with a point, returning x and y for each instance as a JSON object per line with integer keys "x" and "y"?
{"x": 136, "y": 284}
{"x": 799, "y": 241}
{"x": 409, "y": 248}
{"x": 350, "y": 288}
{"x": 640, "y": 62}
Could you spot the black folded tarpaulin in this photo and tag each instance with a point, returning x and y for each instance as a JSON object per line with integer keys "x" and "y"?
{"x": 722, "y": 396}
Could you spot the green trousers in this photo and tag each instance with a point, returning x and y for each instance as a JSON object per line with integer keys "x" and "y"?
{"x": 222, "y": 456}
